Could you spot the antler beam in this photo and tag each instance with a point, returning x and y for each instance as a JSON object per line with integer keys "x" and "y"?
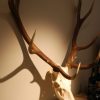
{"x": 75, "y": 48}
{"x": 14, "y": 7}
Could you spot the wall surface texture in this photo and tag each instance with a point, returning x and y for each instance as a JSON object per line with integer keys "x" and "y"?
{"x": 23, "y": 76}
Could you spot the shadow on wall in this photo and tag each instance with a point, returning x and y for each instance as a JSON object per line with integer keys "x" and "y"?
{"x": 46, "y": 91}
{"x": 45, "y": 15}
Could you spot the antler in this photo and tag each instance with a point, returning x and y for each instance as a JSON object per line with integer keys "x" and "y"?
{"x": 33, "y": 49}
{"x": 75, "y": 48}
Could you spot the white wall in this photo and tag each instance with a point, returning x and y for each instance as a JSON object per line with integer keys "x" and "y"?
{"x": 53, "y": 20}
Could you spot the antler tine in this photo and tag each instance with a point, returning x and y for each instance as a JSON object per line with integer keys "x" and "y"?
{"x": 87, "y": 66}
{"x": 88, "y": 45}
{"x": 88, "y": 13}
{"x": 14, "y": 6}
{"x": 79, "y": 23}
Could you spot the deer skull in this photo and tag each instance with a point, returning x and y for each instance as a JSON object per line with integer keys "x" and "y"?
{"x": 61, "y": 85}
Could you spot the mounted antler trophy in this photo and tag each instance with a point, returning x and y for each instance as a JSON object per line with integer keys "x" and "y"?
{"x": 61, "y": 80}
